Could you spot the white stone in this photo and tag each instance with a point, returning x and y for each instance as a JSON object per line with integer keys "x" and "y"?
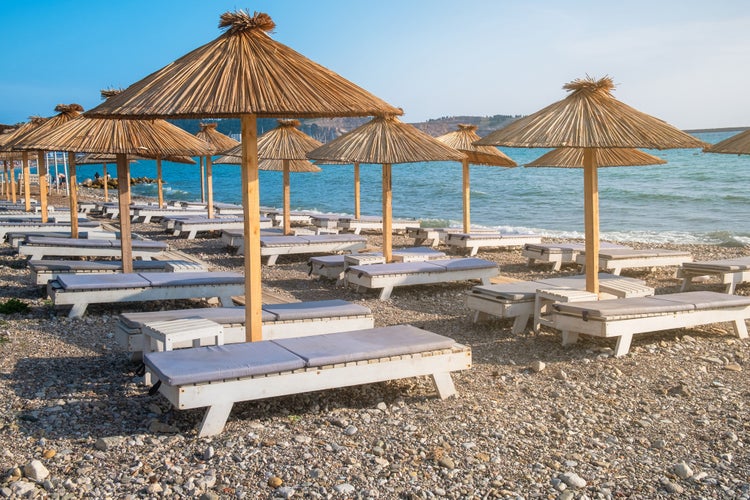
{"x": 36, "y": 471}
{"x": 683, "y": 470}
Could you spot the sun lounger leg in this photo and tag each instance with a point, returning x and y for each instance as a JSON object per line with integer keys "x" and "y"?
{"x": 444, "y": 384}
{"x": 623, "y": 344}
{"x": 486, "y": 281}
{"x": 557, "y": 265}
{"x": 214, "y": 419}
{"x": 686, "y": 283}
{"x": 176, "y": 232}
{"x": 519, "y": 324}
{"x": 226, "y": 301}
{"x": 474, "y": 251}
{"x": 357, "y": 230}
{"x": 191, "y": 234}
{"x": 271, "y": 260}
{"x": 569, "y": 338}
{"x": 78, "y": 310}
{"x": 385, "y": 293}
{"x": 730, "y": 286}
{"x": 740, "y": 328}
{"x": 616, "y": 271}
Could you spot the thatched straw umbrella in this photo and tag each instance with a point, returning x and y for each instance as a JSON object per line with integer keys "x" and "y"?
{"x": 463, "y": 140}
{"x": 245, "y": 73}
{"x": 590, "y": 117}
{"x": 34, "y": 121}
{"x": 386, "y": 140}
{"x": 67, "y": 112}
{"x": 220, "y": 143}
{"x": 738, "y": 144}
{"x": 147, "y": 138}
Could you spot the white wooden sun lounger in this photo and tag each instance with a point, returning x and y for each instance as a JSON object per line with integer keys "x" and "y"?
{"x": 558, "y": 254}
{"x": 517, "y": 300}
{"x": 474, "y": 241}
{"x": 334, "y": 266}
{"x": 436, "y": 235}
{"x": 388, "y": 276}
{"x": 616, "y": 259}
{"x": 374, "y": 224}
{"x": 293, "y": 319}
{"x": 79, "y": 291}
{"x": 40, "y": 227}
{"x": 623, "y": 318}
{"x": 295, "y": 217}
{"x": 145, "y": 213}
{"x": 42, "y": 271}
{"x": 39, "y": 247}
{"x": 15, "y": 238}
{"x": 219, "y": 376}
{"x": 190, "y": 227}
{"x": 731, "y": 272}
{"x": 273, "y": 246}
{"x": 228, "y": 209}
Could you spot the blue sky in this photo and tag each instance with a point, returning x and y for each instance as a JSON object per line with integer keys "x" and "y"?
{"x": 683, "y": 61}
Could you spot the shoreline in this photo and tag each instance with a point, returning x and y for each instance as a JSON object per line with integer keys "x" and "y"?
{"x": 587, "y": 423}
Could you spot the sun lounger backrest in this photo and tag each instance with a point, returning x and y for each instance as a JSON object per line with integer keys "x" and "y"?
{"x": 282, "y": 241}
{"x": 632, "y": 306}
{"x": 463, "y": 264}
{"x": 706, "y": 299}
{"x": 396, "y": 268}
{"x": 192, "y": 278}
{"x": 332, "y": 238}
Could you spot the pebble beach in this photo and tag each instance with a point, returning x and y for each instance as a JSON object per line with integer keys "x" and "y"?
{"x": 531, "y": 418}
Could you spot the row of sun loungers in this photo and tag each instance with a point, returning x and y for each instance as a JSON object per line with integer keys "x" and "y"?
{"x": 730, "y": 272}
{"x": 334, "y": 223}
{"x": 41, "y": 227}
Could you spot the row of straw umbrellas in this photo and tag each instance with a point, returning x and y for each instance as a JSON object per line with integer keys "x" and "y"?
{"x": 246, "y": 74}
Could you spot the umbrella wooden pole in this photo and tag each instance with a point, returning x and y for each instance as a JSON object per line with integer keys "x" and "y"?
{"x": 106, "y": 182}
{"x": 286, "y": 199}
{"x": 251, "y": 207}
{"x": 13, "y": 194}
{"x": 159, "y": 183}
{"x": 387, "y": 204}
{"x": 357, "y": 212}
{"x": 466, "y": 195}
{"x": 41, "y": 168}
{"x": 203, "y": 182}
{"x": 591, "y": 219}
{"x": 73, "y": 189}
{"x": 26, "y": 181}
{"x": 123, "y": 188}
{"x": 210, "y": 187}
{"x": 6, "y": 180}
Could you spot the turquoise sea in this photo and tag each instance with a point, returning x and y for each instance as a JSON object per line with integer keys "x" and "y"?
{"x": 694, "y": 198}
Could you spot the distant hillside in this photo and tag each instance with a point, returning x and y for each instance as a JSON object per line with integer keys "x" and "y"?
{"x": 326, "y": 129}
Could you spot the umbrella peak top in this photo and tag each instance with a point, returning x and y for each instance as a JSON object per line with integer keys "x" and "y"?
{"x": 107, "y": 93}
{"x": 69, "y": 109}
{"x": 208, "y": 126}
{"x": 289, "y": 123}
{"x": 241, "y": 21}
{"x": 591, "y": 85}
{"x": 467, "y": 126}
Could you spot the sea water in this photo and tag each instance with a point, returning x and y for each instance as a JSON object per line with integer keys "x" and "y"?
{"x": 695, "y": 197}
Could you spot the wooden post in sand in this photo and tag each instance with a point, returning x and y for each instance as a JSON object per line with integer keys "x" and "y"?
{"x": 159, "y": 183}
{"x": 356, "y": 191}
{"x": 123, "y": 188}
{"x": 286, "y": 198}
{"x": 591, "y": 219}
{"x": 387, "y": 223}
{"x": 466, "y": 194}
{"x": 210, "y": 187}
{"x": 26, "y": 180}
{"x": 203, "y": 183}
{"x": 73, "y": 190}
{"x": 41, "y": 168}
{"x": 251, "y": 208}
{"x": 106, "y": 182}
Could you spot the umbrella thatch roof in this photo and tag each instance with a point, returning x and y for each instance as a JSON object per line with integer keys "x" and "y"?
{"x": 615, "y": 157}
{"x": 243, "y": 71}
{"x": 386, "y": 139}
{"x": 7, "y": 139}
{"x": 66, "y": 112}
{"x": 463, "y": 140}
{"x": 737, "y": 144}
{"x": 294, "y": 165}
{"x": 285, "y": 142}
{"x": 590, "y": 117}
{"x": 219, "y": 141}
{"x": 146, "y": 138}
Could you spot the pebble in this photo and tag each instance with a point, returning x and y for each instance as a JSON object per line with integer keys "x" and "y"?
{"x": 683, "y": 470}
{"x": 573, "y": 480}
{"x": 36, "y": 471}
